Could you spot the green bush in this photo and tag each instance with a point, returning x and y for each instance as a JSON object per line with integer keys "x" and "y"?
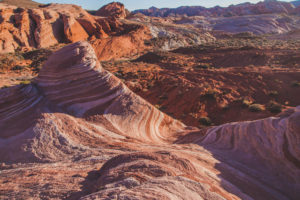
{"x": 17, "y": 68}
{"x": 26, "y": 82}
{"x": 157, "y": 106}
{"x": 206, "y": 121}
{"x": 296, "y": 83}
{"x": 274, "y": 107}
{"x": 273, "y": 93}
{"x": 204, "y": 66}
{"x": 5, "y": 86}
{"x": 210, "y": 93}
{"x": 246, "y": 102}
{"x": 256, "y": 108}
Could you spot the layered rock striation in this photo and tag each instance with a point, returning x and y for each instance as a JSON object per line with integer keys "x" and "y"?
{"x": 72, "y": 85}
{"x": 77, "y": 116}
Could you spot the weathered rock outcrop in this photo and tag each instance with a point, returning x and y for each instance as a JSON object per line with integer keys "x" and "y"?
{"x": 76, "y": 116}
{"x": 86, "y": 90}
{"x": 114, "y": 9}
{"x": 167, "y": 35}
{"x": 25, "y": 29}
{"x": 44, "y": 27}
{"x": 249, "y": 160}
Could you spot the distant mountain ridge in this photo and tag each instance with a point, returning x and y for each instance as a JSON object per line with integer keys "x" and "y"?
{"x": 296, "y": 3}
{"x": 265, "y": 7}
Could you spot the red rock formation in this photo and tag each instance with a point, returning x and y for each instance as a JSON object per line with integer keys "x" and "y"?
{"x": 68, "y": 69}
{"x": 124, "y": 45}
{"x": 114, "y": 9}
{"x": 40, "y": 28}
{"x": 74, "y": 32}
{"x": 57, "y": 23}
{"x": 81, "y": 118}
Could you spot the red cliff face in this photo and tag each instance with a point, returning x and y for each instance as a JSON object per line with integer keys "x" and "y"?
{"x": 115, "y": 9}
{"x": 44, "y": 27}
{"x": 27, "y": 29}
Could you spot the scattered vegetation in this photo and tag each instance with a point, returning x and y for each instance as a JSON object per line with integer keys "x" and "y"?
{"x": 163, "y": 97}
{"x": 246, "y": 102}
{"x": 204, "y": 66}
{"x": 158, "y": 106}
{"x": 274, "y": 107}
{"x": 296, "y": 83}
{"x": 4, "y": 86}
{"x": 273, "y": 93}
{"x": 210, "y": 93}
{"x": 256, "y": 107}
{"x": 25, "y": 82}
{"x": 206, "y": 121}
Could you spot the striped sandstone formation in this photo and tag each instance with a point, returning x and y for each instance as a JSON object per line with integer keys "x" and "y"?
{"x": 79, "y": 126}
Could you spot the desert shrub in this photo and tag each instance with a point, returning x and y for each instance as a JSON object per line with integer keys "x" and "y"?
{"x": 296, "y": 83}
{"x": 163, "y": 97}
{"x": 246, "y": 102}
{"x": 204, "y": 66}
{"x": 273, "y": 93}
{"x": 157, "y": 106}
{"x": 256, "y": 108}
{"x": 206, "y": 121}
{"x": 274, "y": 107}
{"x": 4, "y": 86}
{"x": 224, "y": 107}
{"x": 18, "y": 67}
{"x": 150, "y": 85}
{"x": 118, "y": 74}
{"x": 210, "y": 93}
{"x": 148, "y": 42}
{"x": 25, "y": 82}
{"x": 260, "y": 77}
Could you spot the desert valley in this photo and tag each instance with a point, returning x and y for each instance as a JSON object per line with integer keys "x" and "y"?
{"x": 159, "y": 103}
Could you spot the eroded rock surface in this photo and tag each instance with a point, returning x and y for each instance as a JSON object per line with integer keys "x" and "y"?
{"x": 26, "y": 29}
{"x": 114, "y": 9}
{"x": 78, "y": 132}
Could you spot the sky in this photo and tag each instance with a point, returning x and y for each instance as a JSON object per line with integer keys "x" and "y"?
{"x": 142, "y": 4}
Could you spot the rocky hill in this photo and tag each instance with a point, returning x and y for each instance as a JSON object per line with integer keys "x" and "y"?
{"x": 112, "y": 37}
{"x": 22, "y": 3}
{"x": 114, "y": 9}
{"x": 37, "y": 28}
{"x": 266, "y": 7}
{"x": 268, "y": 17}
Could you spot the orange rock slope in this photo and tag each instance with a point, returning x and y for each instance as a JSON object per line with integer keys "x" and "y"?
{"x": 77, "y": 132}
{"x": 26, "y": 29}
{"x": 114, "y": 9}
